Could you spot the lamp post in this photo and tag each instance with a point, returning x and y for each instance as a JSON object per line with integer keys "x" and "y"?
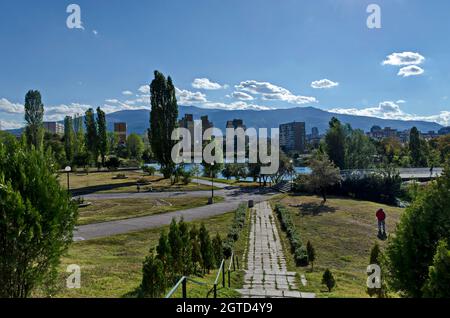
{"x": 212, "y": 183}
{"x": 68, "y": 169}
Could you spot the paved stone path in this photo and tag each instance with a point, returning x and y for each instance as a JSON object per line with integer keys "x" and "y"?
{"x": 266, "y": 275}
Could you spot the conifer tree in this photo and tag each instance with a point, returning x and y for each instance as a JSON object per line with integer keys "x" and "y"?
{"x": 206, "y": 249}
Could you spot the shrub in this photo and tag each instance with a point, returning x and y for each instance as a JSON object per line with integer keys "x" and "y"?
{"x": 383, "y": 187}
{"x": 153, "y": 279}
{"x": 37, "y": 219}
{"x": 328, "y": 280}
{"x": 150, "y": 170}
{"x": 113, "y": 163}
{"x": 235, "y": 230}
{"x": 287, "y": 225}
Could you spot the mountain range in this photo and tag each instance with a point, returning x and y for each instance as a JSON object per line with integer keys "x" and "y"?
{"x": 138, "y": 120}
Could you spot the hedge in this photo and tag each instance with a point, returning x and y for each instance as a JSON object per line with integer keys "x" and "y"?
{"x": 297, "y": 248}
{"x": 235, "y": 230}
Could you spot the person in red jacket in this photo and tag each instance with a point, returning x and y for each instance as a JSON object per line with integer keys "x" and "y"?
{"x": 381, "y": 216}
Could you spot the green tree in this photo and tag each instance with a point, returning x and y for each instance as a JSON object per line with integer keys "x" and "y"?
{"x": 196, "y": 256}
{"x": 135, "y": 146}
{"x": 360, "y": 151}
{"x": 34, "y": 116}
{"x": 186, "y": 251}
{"x": 423, "y": 224}
{"x": 376, "y": 259}
{"x": 153, "y": 277}
{"x": 217, "y": 249}
{"x": 164, "y": 253}
{"x": 69, "y": 138}
{"x": 416, "y": 149}
{"x": 335, "y": 141}
{"x": 102, "y": 135}
{"x": 324, "y": 174}
{"x": 91, "y": 137}
{"x": 176, "y": 249}
{"x": 311, "y": 252}
{"x": 37, "y": 219}
{"x": 438, "y": 283}
{"x": 206, "y": 249}
{"x": 328, "y": 280}
{"x": 163, "y": 121}
{"x": 113, "y": 142}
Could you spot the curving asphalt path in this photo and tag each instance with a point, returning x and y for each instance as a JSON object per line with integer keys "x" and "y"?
{"x": 233, "y": 197}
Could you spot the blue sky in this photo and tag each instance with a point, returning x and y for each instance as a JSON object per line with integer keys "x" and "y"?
{"x": 233, "y": 54}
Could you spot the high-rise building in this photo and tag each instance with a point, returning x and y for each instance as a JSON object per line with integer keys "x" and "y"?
{"x": 54, "y": 127}
{"x": 293, "y": 137}
{"x": 121, "y": 130}
{"x": 444, "y": 131}
{"x": 236, "y": 123}
{"x": 188, "y": 122}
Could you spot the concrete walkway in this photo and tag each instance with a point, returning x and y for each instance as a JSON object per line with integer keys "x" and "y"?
{"x": 266, "y": 275}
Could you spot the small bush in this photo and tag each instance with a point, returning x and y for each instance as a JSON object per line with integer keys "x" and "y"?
{"x": 235, "y": 230}
{"x": 297, "y": 248}
{"x": 150, "y": 170}
{"x": 113, "y": 163}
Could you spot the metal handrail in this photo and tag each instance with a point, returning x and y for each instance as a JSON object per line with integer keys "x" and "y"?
{"x": 174, "y": 289}
{"x": 218, "y": 273}
{"x": 183, "y": 280}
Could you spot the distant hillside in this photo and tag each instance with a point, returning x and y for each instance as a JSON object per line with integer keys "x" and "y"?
{"x": 138, "y": 120}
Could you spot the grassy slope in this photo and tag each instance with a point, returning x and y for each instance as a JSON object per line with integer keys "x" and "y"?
{"x": 343, "y": 234}
{"x": 117, "y": 209}
{"x": 80, "y": 181}
{"x": 112, "y": 267}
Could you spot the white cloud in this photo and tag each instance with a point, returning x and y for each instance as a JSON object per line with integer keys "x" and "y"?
{"x": 95, "y": 32}
{"x": 188, "y": 98}
{"x": 112, "y": 101}
{"x": 324, "y": 83}
{"x": 127, "y": 93}
{"x": 411, "y": 70}
{"x": 204, "y": 83}
{"x": 6, "y": 125}
{"x": 240, "y": 105}
{"x": 144, "y": 89}
{"x": 400, "y": 101}
{"x": 391, "y": 110}
{"x": 242, "y": 96}
{"x": 11, "y": 108}
{"x": 404, "y": 58}
{"x": 273, "y": 92}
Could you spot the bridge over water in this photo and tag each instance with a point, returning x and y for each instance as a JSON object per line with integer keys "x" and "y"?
{"x": 421, "y": 174}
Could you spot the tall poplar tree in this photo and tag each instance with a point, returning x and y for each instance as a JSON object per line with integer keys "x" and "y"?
{"x": 163, "y": 120}
{"x": 335, "y": 143}
{"x": 69, "y": 138}
{"x": 34, "y": 116}
{"x": 102, "y": 134}
{"x": 91, "y": 137}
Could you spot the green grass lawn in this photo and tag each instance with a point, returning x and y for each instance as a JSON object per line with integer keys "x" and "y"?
{"x": 80, "y": 181}
{"x": 118, "y": 209}
{"x": 342, "y": 233}
{"x": 112, "y": 266}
